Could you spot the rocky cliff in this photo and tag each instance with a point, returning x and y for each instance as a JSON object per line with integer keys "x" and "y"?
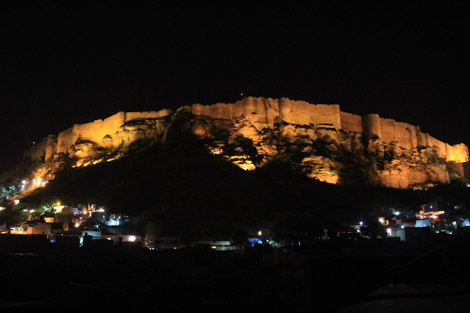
{"x": 317, "y": 139}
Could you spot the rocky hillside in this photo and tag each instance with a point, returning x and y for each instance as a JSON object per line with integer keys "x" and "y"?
{"x": 319, "y": 141}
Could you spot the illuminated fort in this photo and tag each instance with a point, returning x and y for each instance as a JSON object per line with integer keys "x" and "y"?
{"x": 252, "y": 116}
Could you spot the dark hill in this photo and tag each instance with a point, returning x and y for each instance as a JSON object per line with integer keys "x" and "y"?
{"x": 188, "y": 188}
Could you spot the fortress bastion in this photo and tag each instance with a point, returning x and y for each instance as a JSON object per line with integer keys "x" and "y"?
{"x": 261, "y": 113}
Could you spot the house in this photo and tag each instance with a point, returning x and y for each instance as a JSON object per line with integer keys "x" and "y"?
{"x": 32, "y": 228}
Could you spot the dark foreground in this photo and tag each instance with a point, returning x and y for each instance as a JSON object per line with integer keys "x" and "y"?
{"x": 322, "y": 278}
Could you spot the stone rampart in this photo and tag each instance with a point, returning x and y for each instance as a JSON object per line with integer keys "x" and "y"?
{"x": 66, "y": 139}
{"x": 407, "y": 135}
{"x": 438, "y": 145}
{"x": 265, "y": 112}
{"x": 95, "y": 131}
{"x": 388, "y": 128}
{"x": 351, "y": 122}
{"x": 371, "y": 126}
{"x": 219, "y": 110}
{"x": 51, "y": 143}
{"x": 404, "y": 135}
{"x": 130, "y": 116}
{"x": 460, "y": 153}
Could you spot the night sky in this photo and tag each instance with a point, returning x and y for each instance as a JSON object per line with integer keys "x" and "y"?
{"x": 65, "y": 65}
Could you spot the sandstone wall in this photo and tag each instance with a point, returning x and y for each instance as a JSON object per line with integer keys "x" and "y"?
{"x": 301, "y": 112}
{"x": 460, "y": 153}
{"x": 405, "y": 135}
{"x": 438, "y": 145}
{"x": 450, "y": 155}
{"x": 51, "y": 142}
{"x": 371, "y": 126}
{"x": 65, "y": 139}
{"x": 422, "y": 138}
{"x": 218, "y": 111}
{"x": 129, "y": 116}
{"x": 406, "y": 177}
{"x": 96, "y": 130}
{"x": 351, "y": 122}
{"x": 388, "y": 129}
{"x": 262, "y": 112}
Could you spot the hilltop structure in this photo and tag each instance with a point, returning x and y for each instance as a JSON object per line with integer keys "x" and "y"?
{"x": 319, "y": 139}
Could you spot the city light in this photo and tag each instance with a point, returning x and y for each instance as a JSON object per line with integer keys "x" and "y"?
{"x": 216, "y": 151}
{"x": 432, "y": 215}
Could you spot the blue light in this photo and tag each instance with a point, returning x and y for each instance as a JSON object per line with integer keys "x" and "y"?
{"x": 254, "y": 241}
{"x": 423, "y": 223}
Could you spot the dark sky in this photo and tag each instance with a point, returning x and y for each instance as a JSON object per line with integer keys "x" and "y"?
{"x": 65, "y": 65}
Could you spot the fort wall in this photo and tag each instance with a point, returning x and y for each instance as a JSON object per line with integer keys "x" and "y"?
{"x": 219, "y": 110}
{"x": 422, "y": 138}
{"x": 51, "y": 142}
{"x": 351, "y": 122}
{"x": 262, "y": 112}
{"x": 405, "y": 135}
{"x": 460, "y": 153}
{"x": 95, "y": 131}
{"x": 265, "y": 112}
{"x": 371, "y": 126}
{"x": 388, "y": 129}
{"x": 130, "y": 116}
{"x": 438, "y": 145}
{"x": 66, "y": 138}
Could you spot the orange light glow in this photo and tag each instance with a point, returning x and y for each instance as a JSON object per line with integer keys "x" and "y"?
{"x": 216, "y": 151}
{"x": 432, "y": 215}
